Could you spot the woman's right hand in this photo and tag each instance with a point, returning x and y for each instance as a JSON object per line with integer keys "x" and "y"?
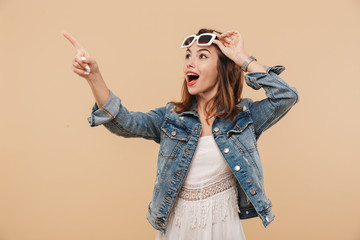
{"x": 83, "y": 64}
{"x": 86, "y": 67}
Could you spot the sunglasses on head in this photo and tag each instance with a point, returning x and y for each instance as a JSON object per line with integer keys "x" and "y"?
{"x": 204, "y": 39}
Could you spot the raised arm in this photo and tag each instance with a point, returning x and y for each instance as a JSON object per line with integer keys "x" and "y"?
{"x": 280, "y": 96}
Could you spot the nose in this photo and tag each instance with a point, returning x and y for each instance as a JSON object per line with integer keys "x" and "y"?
{"x": 190, "y": 62}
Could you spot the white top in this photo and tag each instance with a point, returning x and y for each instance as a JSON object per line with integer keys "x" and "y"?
{"x": 206, "y": 207}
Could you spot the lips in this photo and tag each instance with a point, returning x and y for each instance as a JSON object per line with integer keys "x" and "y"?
{"x": 191, "y": 78}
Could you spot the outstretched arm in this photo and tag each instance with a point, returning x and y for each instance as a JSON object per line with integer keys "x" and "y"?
{"x": 108, "y": 110}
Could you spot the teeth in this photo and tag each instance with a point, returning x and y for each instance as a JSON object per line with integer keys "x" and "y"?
{"x": 192, "y": 74}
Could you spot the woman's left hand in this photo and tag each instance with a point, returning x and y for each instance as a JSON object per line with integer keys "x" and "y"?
{"x": 231, "y": 44}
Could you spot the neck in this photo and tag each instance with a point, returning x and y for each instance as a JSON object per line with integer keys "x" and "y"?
{"x": 206, "y": 96}
{"x": 201, "y": 102}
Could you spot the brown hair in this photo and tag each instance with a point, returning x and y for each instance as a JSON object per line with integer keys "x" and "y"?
{"x": 231, "y": 82}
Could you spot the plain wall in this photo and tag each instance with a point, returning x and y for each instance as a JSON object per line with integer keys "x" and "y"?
{"x": 61, "y": 179}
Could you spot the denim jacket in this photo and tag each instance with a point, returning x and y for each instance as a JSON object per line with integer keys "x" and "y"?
{"x": 178, "y": 135}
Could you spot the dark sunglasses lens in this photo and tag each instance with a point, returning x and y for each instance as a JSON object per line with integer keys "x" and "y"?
{"x": 188, "y": 41}
{"x": 204, "y": 39}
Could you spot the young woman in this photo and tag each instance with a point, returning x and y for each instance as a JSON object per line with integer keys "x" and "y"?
{"x": 209, "y": 172}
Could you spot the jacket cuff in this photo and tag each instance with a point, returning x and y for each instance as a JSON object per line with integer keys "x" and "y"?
{"x": 106, "y": 113}
{"x": 252, "y": 78}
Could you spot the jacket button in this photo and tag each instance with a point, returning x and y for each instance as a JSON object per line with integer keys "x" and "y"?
{"x": 252, "y": 192}
{"x": 237, "y": 168}
{"x": 247, "y": 212}
{"x": 173, "y": 133}
{"x": 226, "y": 150}
{"x": 216, "y": 129}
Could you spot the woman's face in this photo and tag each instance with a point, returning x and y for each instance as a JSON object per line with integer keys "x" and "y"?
{"x": 200, "y": 70}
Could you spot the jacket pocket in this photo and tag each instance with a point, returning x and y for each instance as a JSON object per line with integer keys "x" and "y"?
{"x": 173, "y": 139}
{"x": 243, "y": 136}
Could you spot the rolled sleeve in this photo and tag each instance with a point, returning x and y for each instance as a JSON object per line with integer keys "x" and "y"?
{"x": 106, "y": 113}
{"x": 251, "y": 79}
{"x": 280, "y": 98}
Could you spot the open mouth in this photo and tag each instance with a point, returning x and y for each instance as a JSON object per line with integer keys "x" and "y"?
{"x": 192, "y": 78}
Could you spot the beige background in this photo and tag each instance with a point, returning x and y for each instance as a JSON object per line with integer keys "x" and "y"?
{"x": 61, "y": 179}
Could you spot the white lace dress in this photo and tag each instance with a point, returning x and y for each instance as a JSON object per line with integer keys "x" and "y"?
{"x": 206, "y": 207}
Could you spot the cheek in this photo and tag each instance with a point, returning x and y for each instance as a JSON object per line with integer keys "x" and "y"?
{"x": 214, "y": 70}
{"x": 214, "y": 74}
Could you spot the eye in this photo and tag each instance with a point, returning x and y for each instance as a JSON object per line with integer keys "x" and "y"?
{"x": 187, "y": 56}
{"x": 203, "y": 56}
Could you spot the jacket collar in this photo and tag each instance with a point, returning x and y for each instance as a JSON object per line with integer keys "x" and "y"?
{"x": 192, "y": 111}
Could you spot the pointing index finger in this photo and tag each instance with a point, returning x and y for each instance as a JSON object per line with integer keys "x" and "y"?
{"x": 73, "y": 41}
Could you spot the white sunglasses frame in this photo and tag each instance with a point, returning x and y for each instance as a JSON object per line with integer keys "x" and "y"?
{"x": 196, "y": 37}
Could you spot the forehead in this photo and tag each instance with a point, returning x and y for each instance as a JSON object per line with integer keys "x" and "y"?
{"x": 195, "y": 48}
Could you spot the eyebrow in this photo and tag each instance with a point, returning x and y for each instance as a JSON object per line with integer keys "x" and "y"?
{"x": 203, "y": 49}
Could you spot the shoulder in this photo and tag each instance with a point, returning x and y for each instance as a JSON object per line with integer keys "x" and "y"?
{"x": 169, "y": 110}
{"x": 245, "y": 113}
{"x": 245, "y": 104}
{"x": 175, "y": 117}
{"x": 170, "y": 105}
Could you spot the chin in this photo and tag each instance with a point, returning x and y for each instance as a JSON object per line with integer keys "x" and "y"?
{"x": 192, "y": 91}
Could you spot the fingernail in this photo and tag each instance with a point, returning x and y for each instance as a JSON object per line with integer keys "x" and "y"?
{"x": 88, "y": 68}
{"x": 86, "y": 73}
{"x": 83, "y": 58}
